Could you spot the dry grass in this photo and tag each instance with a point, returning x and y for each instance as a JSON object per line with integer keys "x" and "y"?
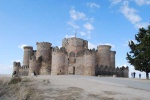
{"x": 17, "y": 88}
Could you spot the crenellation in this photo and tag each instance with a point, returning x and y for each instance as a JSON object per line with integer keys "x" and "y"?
{"x": 28, "y": 47}
{"x": 43, "y": 43}
{"x": 73, "y": 57}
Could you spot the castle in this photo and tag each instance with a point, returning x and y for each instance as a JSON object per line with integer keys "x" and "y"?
{"x": 73, "y": 58}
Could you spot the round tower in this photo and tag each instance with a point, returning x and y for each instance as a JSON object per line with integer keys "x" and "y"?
{"x": 58, "y": 61}
{"x": 16, "y": 67}
{"x": 89, "y": 62}
{"x": 112, "y": 58}
{"x": 44, "y": 50}
{"x": 103, "y": 55}
{"x": 28, "y": 52}
{"x": 34, "y": 66}
{"x": 74, "y": 44}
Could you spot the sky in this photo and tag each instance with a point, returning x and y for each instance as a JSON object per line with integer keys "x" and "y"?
{"x": 111, "y": 22}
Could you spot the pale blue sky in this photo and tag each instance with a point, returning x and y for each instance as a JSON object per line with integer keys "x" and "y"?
{"x": 25, "y": 22}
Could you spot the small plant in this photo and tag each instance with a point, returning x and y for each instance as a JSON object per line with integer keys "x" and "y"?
{"x": 15, "y": 80}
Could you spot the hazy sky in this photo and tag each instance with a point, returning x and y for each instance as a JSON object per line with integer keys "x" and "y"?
{"x": 25, "y": 22}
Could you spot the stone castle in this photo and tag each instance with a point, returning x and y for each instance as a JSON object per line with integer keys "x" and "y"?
{"x": 73, "y": 58}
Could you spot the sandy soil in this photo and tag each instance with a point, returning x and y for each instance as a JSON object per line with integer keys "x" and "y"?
{"x": 67, "y": 88}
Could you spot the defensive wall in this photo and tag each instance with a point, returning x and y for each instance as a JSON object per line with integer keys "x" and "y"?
{"x": 73, "y": 57}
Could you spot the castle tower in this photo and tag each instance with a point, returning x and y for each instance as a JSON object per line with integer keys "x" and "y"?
{"x": 58, "y": 61}
{"x": 16, "y": 67}
{"x": 112, "y": 58}
{"x": 89, "y": 62}
{"x": 34, "y": 65}
{"x": 44, "y": 50}
{"x": 103, "y": 55}
{"x": 74, "y": 44}
{"x": 28, "y": 52}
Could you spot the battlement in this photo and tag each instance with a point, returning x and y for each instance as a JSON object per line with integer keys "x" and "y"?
{"x": 28, "y": 47}
{"x": 33, "y": 59}
{"x": 43, "y": 43}
{"x": 122, "y": 68}
{"x": 58, "y": 50}
{"x": 89, "y": 52}
{"x": 114, "y": 52}
{"x": 24, "y": 67}
{"x": 104, "y": 47}
{"x": 16, "y": 64}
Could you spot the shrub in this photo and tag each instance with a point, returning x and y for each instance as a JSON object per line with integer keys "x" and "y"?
{"x": 15, "y": 80}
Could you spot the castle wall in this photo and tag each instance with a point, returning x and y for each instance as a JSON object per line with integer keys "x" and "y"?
{"x": 79, "y": 69}
{"x": 66, "y": 64}
{"x": 112, "y": 58}
{"x": 89, "y": 62}
{"x": 103, "y": 54}
{"x": 74, "y": 44}
{"x": 73, "y": 58}
{"x": 45, "y": 68}
{"x": 44, "y": 50}
{"x": 34, "y": 66}
{"x": 28, "y": 52}
{"x": 24, "y": 70}
{"x": 58, "y": 61}
{"x": 16, "y": 66}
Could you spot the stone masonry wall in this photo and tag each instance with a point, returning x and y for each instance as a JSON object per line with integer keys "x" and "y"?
{"x": 44, "y": 50}
{"x": 103, "y": 54}
{"x": 89, "y": 62}
{"x": 28, "y": 52}
{"x": 58, "y": 61}
{"x": 112, "y": 58}
{"x": 74, "y": 44}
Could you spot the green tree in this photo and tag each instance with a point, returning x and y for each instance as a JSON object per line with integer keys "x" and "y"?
{"x": 139, "y": 56}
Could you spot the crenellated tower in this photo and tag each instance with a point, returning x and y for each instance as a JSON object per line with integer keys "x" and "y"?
{"x": 112, "y": 58}
{"x": 74, "y": 44}
{"x": 103, "y": 55}
{"x": 28, "y": 52}
{"x": 34, "y": 65}
{"x": 16, "y": 67}
{"x": 89, "y": 62}
{"x": 44, "y": 51}
{"x": 58, "y": 61}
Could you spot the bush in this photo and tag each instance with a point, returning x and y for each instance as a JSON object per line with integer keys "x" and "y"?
{"x": 15, "y": 80}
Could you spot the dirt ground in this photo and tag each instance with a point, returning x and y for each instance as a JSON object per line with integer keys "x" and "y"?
{"x": 67, "y": 88}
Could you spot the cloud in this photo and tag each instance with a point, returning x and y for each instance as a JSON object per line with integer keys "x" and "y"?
{"x": 75, "y": 15}
{"x": 113, "y": 46}
{"x": 130, "y": 13}
{"x": 141, "y": 24}
{"x": 82, "y": 33}
{"x": 127, "y": 42}
{"x": 91, "y": 45}
{"x": 92, "y": 5}
{"x": 83, "y": 22}
{"x": 88, "y": 26}
{"x": 15, "y": 60}
{"x": 69, "y": 36}
{"x": 21, "y": 46}
{"x": 142, "y": 2}
{"x": 115, "y": 2}
{"x": 73, "y": 25}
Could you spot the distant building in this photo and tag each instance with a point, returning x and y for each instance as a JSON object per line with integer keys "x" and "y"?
{"x": 73, "y": 57}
